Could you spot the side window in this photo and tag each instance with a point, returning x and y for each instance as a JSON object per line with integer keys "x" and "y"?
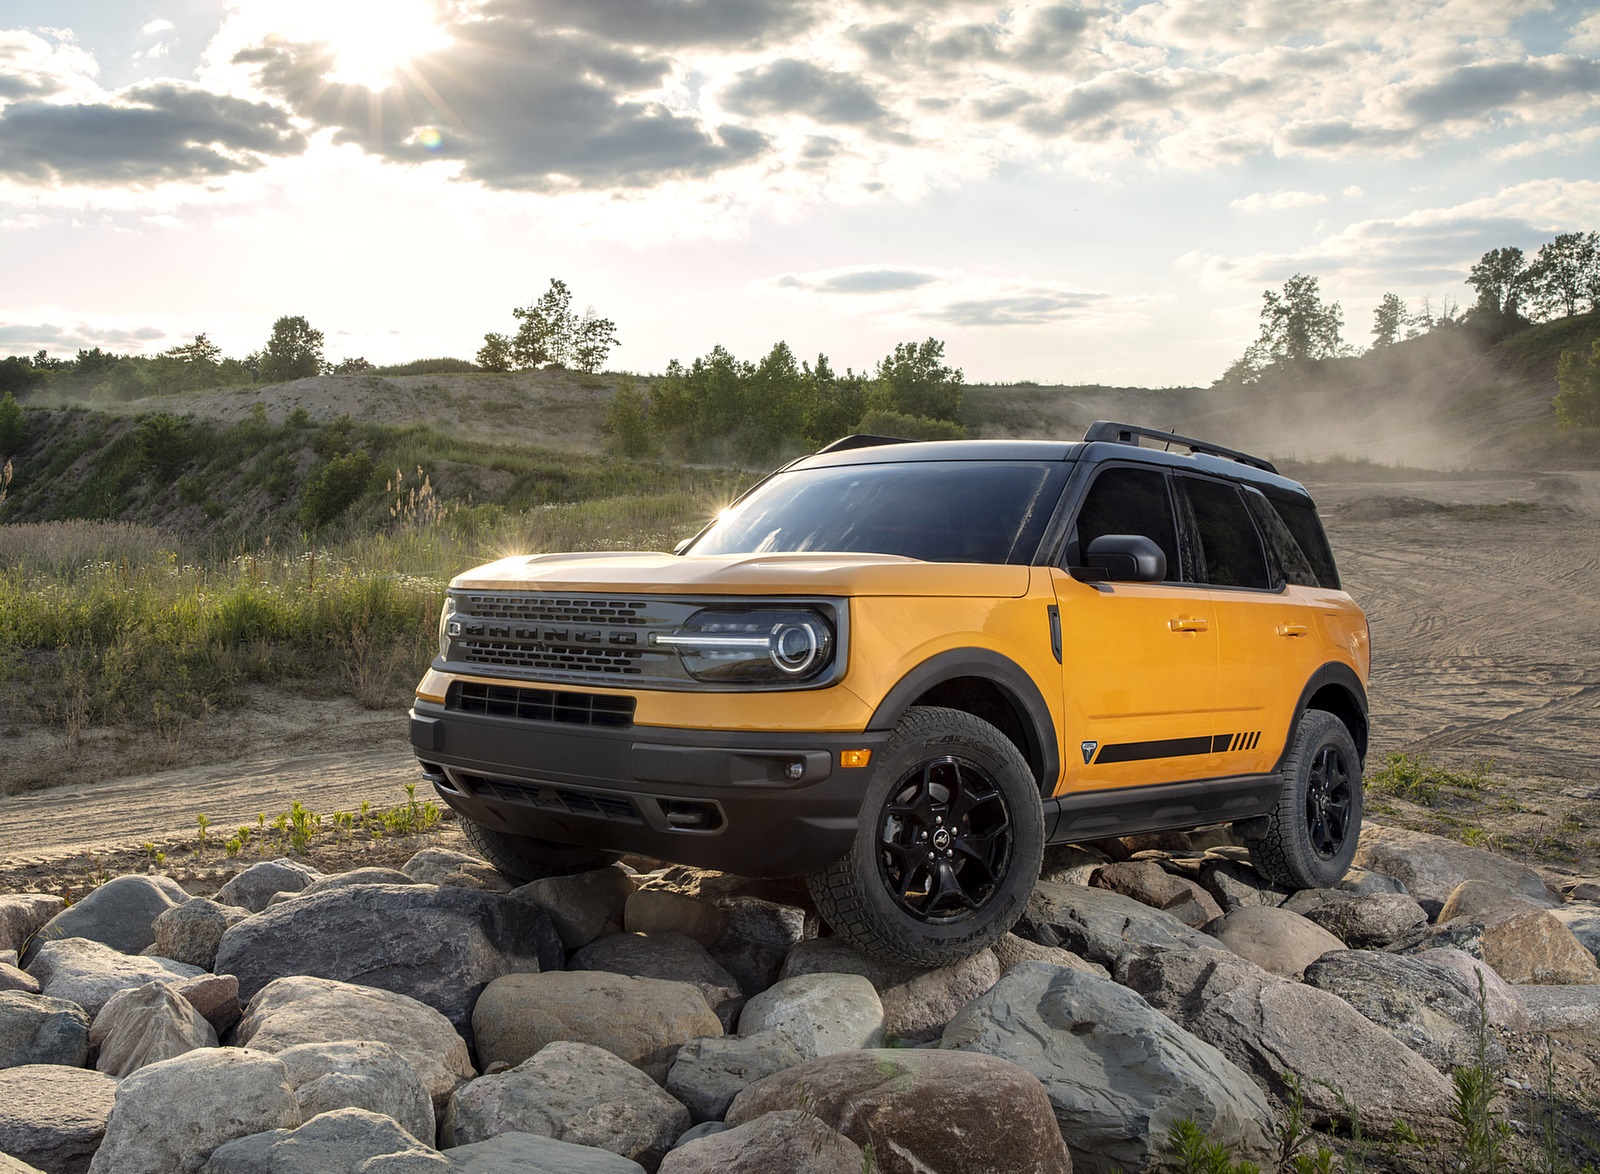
{"x": 1301, "y": 517}
{"x": 1283, "y": 549}
{"x": 1228, "y": 538}
{"x": 1125, "y": 500}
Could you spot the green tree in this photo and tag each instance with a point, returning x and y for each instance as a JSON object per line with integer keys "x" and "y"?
{"x": 546, "y": 328}
{"x": 495, "y": 354}
{"x": 293, "y": 352}
{"x": 1388, "y": 320}
{"x": 1499, "y": 279}
{"x": 592, "y": 342}
{"x": 627, "y": 422}
{"x": 353, "y": 366}
{"x": 334, "y": 488}
{"x": 164, "y": 445}
{"x": 1564, "y": 277}
{"x": 1297, "y": 326}
{"x": 17, "y": 374}
{"x": 834, "y": 404}
{"x": 914, "y": 381}
{"x": 12, "y": 426}
{"x": 1577, "y": 404}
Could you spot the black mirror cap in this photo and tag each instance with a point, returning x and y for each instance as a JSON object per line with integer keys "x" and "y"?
{"x": 1122, "y": 558}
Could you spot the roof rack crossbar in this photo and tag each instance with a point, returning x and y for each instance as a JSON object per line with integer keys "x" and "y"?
{"x": 860, "y": 440}
{"x": 1130, "y": 434}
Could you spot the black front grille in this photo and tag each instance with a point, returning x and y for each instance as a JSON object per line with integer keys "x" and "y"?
{"x": 614, "y": 661}
{"x": 551, "y": 798}
{"x": 543, "y": 609}
{"x": 540, "y": 705}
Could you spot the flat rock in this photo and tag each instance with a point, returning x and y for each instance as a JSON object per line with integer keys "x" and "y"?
{"x": 169, "y": 1117}
{"x": 787, "y": 1141}
{"x": 671, "y": 956}
{"x": 820, "y": 1013}
{"x": 88, "y": 973}
{"x": 921, "y": 1109}
{"x": 1362, "y": 921}
{"x": 576, "y": 1093}
{"x": 1118, "y": 1073}
{"x": 370, "y": 875}
{"x": 303, "y": 1010}
{"x": 1420, "y": 1005}
{"x": 146, "y": 1024}
{"x": 24, "y": 914}
{"x": 581, "y": 906}
{"x": 343, "y": 1139}
{"x": 441, "y": 866}
{"x": 1233, "y": 883}
{"x": 440, "y": 946}
{"x": 1504, "y": 1004}
{"x": 255, "y": 887}
{"x": 917, "y": 1003}
{"x": 1562, "y": 1008}
{"x": 530, "y": 1153}
{"x": 120, "y": 914}
{"x": 1277, "y": 940}
{"x": 1011, "y": 949}
{"x": 708, "y": 1073}
{"x": 39, "y": 1029}
{"x": 1431, "y": 867}
{"x": 13, "y": 979}
{"x": 1582, "y": 919}
{"x": 359, "y": 1074}
{"x": 1103, "y": 926}
{"x": 1147, "y": 882}
{"x": 53, "y": 1116}
{"x": 641, "y": 1020}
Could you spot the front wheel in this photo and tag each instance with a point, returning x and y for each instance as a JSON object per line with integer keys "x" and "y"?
{"x": 524, "y": 859}
{"x": 1309, "y": 839}
{"x": 948, "y": 846}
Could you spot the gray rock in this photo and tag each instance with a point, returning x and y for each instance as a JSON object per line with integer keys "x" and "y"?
{"x": 1582, "y": 919}
{"x": 169, "y": 1117}
{"x": 119, "y": 914}
{"x": 576, "y": 1093}
{"x": 1275, "y": 939}
{"x": 1147, "y": 882}
{"x": 146, "y": 1024}
{"x": 216, "y": 996}
{"x": 1274, "y": 1028}
{"x": 255, "y": 887}
{"x": 343, "y": 1139}
{"x": 786, "y": 1141}
{"x": 88, "y": 973}
{"x": 820, "y": 1013}
{"x": 759, "y": 936}
{"x": 38, "y": 1029}
{"x": 12, "y": 979}
{"x": 921, "y": 1109}
{"x": 1506, "y": 1007}
{"x": 581, "y": 906}
{"x": 1363, "y": 881}
{"x": 1562, "y": 1008}
{"x": 359, "y": 1074}
{"x": 663, "y": 911}
{"x": 52, "y": 1116}
{"x": 1234, "y": 883}
{"x": 916, "y": 1003}
{"x": 190, "y": 932}
{"x": 704, "y": 1129}
{"x": 708, "y": 1073}
{"x": 1521, "y": 943}
{"x": 1581, "y": 888}
{"x": 1119, "y": 1074}
{"x": 437, "y": 945}
{"x": 1419, "y": 1005}
{"x": 640, "y": 1020}
{"x": 1011, "y": 949}
{"x": 24, "y": 914}
{"x": 1362, "y": 921}
{"x": 1474, "y": 897}
{"x": 440, "y": 866}
{"x": 529, "y": 1153}
{"x": 1431, "y": 867}
{"x": 10, "y": 1165}
{"x": 1071, "y": 864}
{"x": 1102, "y": 926}
{"x": 369, "y": 875}
{"x": 302, "y": 1010}
{"x": 671, "y": 956}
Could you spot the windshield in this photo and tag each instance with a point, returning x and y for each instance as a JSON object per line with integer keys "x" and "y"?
{"x": 937, "y": 511}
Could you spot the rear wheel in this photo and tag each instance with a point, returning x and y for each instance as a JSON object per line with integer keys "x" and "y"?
{"x": 524, "y": 859}
{"x": 1309, "y": 840}
{"x": 948, "y": 846}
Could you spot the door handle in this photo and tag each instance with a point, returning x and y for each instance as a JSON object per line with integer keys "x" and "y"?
{"x": 1188, "y": 624}
{"x": 1293, "y": 629}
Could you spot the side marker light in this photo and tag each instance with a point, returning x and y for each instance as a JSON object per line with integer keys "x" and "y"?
{"x": 849, "y": 758}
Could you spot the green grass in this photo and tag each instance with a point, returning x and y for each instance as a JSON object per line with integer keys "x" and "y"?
{"x": 1418, "y": 779}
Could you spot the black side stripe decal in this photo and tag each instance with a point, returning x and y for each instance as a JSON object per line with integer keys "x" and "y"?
{"x": 1177, "y": 747}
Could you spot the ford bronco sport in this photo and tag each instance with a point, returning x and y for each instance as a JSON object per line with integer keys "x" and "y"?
{"x": 901, "y": 669}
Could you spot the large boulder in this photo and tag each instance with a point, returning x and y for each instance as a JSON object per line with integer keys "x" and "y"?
{"x": 1362, "y": 921}
{"x": 88, "y": 973}
{"x": 1474, "y": 978}
{"x": 664, "y": 911}
{"x": 788, "y": 1141}
{"x": 1582, "y": 918}
{"x": 1233, "y": 883}
{"x": 38, "y": 1029}
{"x": 1521, "y": 943}
{"x": 53, "y": 1116}
{"x": 530, "y": 1153}
{"x": 303, "y": 1010}
{"x": 1276, "y": 1029}
{"x": 1150, "y": 884}
{"x": 1012, "y": 950}
{"x": 1421, "y": 1006}
{"x": 1278, "y": 941}
{"x": 917, "y": 1003}
{"x": 1562, "y": 1008}
{"x": 190, "y": 932}
{"x": 440, "y": 946}
{"x": 581, "y": 906}
{"x": 1431, "y": 867}
{"x": 169, "y": 1117}
{"x": 119, "y": 914}
{"x": 441, "y": 866}
{"x": 255, "y": 887}
{"x": 641, "y": 1020}
{"x": 576, "y": 1093}
{"x": 820, "y": 1013}
{"x": 24, "y": 914}
{"x": 13, "y": 979}
{"x": 341, "y": 1139}
{"x": 759, "y": 936}
{"x": 146, "y": 1024}
{"x": 1103, "y": 926}
{"x": 359, "y": 1074}
{"x": 1119, "y": 1074}
{"x": 920, "y": 1110}
{"x": 708, "y": 1073}
{"x": 672, "y": 956}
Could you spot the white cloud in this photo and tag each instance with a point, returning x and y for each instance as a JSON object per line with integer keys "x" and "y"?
{"x": 1277, "y": 201}
{"x": 157, "y": 26}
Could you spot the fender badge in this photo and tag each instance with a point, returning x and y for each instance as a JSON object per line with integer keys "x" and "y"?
{"x": 1088, "y": 749}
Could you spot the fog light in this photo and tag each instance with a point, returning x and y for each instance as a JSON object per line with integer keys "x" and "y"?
{"x": 796, "y": 771}
{"x": 855, "y": 757}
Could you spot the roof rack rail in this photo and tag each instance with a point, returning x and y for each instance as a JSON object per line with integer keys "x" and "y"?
{"x": 1130, "y": 434}
{"x": 861, "y": 440}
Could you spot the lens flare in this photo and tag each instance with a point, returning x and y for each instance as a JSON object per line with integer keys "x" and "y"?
{"x": 430, "y": 138}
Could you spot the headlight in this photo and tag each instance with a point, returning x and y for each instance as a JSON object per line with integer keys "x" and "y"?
{"x": 764, "y": 646}
{"x": 448, "y": 626}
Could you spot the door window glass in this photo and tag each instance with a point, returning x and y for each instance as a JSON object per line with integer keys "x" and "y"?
{"x": 1127, "y": 501}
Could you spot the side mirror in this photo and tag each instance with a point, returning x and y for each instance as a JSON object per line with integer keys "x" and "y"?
{"x": 1122, "y": 558}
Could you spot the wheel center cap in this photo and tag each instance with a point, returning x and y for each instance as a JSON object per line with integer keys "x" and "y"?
{"x": 941, "y": 839}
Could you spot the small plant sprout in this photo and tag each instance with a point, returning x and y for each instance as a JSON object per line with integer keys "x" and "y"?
{"x": 205, "y": 823}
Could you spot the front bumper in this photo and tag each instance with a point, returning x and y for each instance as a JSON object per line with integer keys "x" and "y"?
{"x": 754, "y": 803}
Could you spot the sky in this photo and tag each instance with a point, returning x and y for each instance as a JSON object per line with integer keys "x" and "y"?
{"x": 1062, "y": 193}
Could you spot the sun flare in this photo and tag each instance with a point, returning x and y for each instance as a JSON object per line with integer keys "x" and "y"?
{"x": 371, "y": 40}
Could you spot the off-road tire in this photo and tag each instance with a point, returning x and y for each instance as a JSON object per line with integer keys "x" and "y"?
{"x": 948, "y": 845}
{"x": 524, "y": 859}
{"x": 1308, "y": 841}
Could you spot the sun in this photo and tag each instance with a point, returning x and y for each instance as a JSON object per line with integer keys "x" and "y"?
{"x": 371, "y": 40}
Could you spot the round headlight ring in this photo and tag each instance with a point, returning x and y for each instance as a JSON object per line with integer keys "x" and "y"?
{"x": 795, "y": 648}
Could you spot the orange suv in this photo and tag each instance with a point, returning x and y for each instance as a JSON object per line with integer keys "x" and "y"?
{"x": 900, "y": 669}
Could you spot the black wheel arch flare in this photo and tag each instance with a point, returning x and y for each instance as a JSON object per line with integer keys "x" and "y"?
{"x": 1337, "y": 689}
{"x": 978, "y": 681}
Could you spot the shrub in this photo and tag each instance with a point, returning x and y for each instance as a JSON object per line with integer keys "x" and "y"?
{"x": 882, "y": 423}
{"x": 332, "y": 490}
